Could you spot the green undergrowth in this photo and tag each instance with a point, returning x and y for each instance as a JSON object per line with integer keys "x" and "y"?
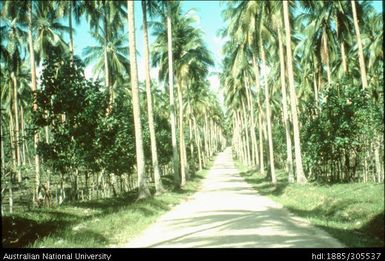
{"x": 110, "y": 222}
{"x": 351, "y": 212}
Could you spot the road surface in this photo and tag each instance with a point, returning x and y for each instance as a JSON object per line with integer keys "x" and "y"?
{"x": 228, "y": 213}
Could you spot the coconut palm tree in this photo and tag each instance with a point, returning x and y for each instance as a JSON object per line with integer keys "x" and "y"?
{"x": 117, "y": 62}
{"x": 74, "y": 11}
{"x": 361, "y": 59}
{"x": 190, "y": 55}
{"x": 293, "y": 98}
{"x": 48, "y": 31}
{"x": 149, "y": 5}
{"x": 13, "y": 47}
{"x": 106, "y": 22}
{"x": 143, "y": 190}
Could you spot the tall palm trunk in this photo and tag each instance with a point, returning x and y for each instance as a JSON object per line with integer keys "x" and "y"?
{"x": 16, "y": 130}
{"x": 256, "y": 72}
{"x": 71, "y": 31}
{"x": 246, "y": 130}
{"x": 154, "y": 152}
{"x": 24, "y": 145}
{"x": 342, "y": 46}
{"x": 12, "y": 140}
{"x": 175, "y": 156}
{"x": 207, "y": 137}
{"x": 142, "y": 184}
{"x": 107, "y": 74}
{"x": 359, "y": 43}
{"x": 315, "y": 86}
{"x": 326, "y": 56}
{"x": 33, "y": 85}
{"x": 182, "y": 149}
{"x": 293, "y": 99}
{"x": 268, "y": 120}
{"x": 255, "y": 156}
{"x": 191, "y": 135}
{"x": 197, "y": 142}
{"x": 289, "y": 160}
{"x": 2, "y": 150}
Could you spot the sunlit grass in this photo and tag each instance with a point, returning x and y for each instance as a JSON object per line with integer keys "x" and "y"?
{"x": 98, "y": 223}
{"x": 350, "y": 212}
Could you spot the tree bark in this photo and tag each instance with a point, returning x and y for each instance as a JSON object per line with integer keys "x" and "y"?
{"x": 268, "y": 120}
{"x": 289, "y": 159}
{"x": 255, "y": 152}
{"x": 71, "y": 31}
{"x": 16, "y": 129}
{"x": 246, "y": 130}
{"x": 154, "y": 152}
{"x": 33, "y": 85}
{"x": 12, "y": 140}
{"x": 342, "y": 46}
{"x": 2, "y": 148}
{"x": 106, "y": 64}
{"x": 256, "y": 72}
{"x": 142, "y": 184}
{"x": 293, "y": 99}
{"x": 325, "y": 47}
{"x": 197, "y": 142}
{"x": 175, "y": 157}
{"x": 359, "y": 43}
{"x": 24, "y": 146}
{"x": 182, "y": 149}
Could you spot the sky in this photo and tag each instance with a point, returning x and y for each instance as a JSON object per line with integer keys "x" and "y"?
{"x": 209, "y": 20}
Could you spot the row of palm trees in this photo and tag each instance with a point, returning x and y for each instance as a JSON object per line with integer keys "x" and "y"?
{"x": 302, "y": 43}
{"x": 32, "y": 28}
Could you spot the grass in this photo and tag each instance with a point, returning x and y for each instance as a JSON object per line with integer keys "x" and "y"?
{"x": 353, "y": 213}
{"x": 108, "y": 222}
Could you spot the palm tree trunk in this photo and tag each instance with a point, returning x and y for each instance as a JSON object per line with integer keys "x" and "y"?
{"x": 268, "y": 121}
{"x": 191, "y": 132}
{"x": 182, "y": 150}
{"x": 142, "y": 184}
{"x": 207, "y": 137}
{"x": 2, "y": 148}
{"x": 289, "y": 160}
{"x": 17, "y": 131}
{"x": 10, "y": 197}
{"x": 154, "y": 152}
{"x": 197, "y": 142}
{"x": 12, "y": 140}
{"x": 342, "y": 46}
{"x": 359, "y": 43}
{"x": 315, "y": 86}
{"x": 242, "y": 138}
{"x": 175, "y": 156}
{"x": 239, "y": 138}
{"x": 107, "y": 79}
{"x": 377, "y": 160}
{"x": 48, "y": 170}
{"x": 256, "y": 72}
{"x": 326, "y": 54}
{"x": 255, "y": 156}
{"x": 33, "y": 84}
{"x": 24, "y": 145}
{"x": 245, "y": 125}
{"x": 106, "y": 64}
{"x": 71, "y": 31}
{"x": 293, "y": 99}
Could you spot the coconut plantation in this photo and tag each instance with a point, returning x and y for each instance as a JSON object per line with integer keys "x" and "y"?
{"x": 192, "y": 124}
